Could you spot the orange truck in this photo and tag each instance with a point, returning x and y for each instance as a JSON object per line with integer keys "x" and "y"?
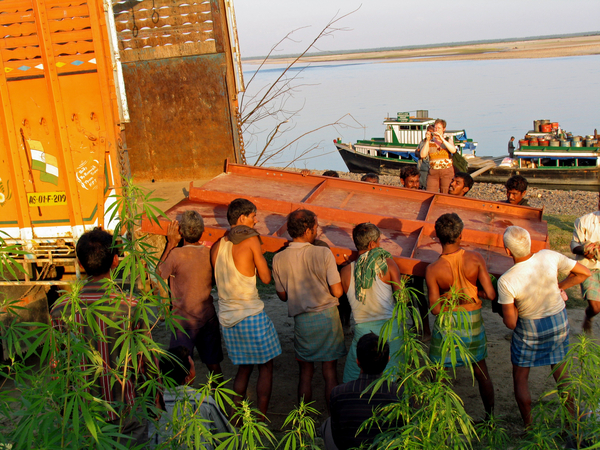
{"x": 60, "y": 144}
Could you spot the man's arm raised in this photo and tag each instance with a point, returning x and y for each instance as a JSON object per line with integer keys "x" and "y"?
{"x": 394, "y": 274}
{"x": 484, "y": 278}
{"x": 346, "y": 275}
{"x": 214, "y": 251}
{"x": 262, "y": 268}
{"x": 433, "y": 289}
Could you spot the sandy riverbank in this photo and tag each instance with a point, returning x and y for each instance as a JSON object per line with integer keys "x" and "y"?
{"x": 529, "y": 49}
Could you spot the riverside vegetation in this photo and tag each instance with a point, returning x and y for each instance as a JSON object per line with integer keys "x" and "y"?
{"x": 48, "y": 403}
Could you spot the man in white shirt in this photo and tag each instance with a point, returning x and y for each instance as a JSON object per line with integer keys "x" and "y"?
{"x": 533, "y": 305}
{"x": 586, "y": 247}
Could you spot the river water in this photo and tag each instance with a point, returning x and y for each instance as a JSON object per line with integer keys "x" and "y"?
{"x": 492, "y": 100}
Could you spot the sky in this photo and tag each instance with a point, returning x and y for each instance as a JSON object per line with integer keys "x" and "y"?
{"x": 398, "y": 23}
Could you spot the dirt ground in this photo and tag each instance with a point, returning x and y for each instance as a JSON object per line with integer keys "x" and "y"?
{"x": 286, "y": 372}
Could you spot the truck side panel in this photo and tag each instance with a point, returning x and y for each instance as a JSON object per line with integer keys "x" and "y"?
{"x": 59, "y": 130}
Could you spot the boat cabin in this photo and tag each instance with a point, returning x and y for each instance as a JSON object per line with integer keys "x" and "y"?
{"x": 404, "y": 133}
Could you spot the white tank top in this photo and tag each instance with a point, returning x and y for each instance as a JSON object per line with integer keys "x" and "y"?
{"x": 238, "y": 296}
{"x": 379, "y": 303}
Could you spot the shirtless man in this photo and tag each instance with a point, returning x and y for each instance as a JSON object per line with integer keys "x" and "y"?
{"x": 462, "y": 270}
{"x": 249, "y": 334}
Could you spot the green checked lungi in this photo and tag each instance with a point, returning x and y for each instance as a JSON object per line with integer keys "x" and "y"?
{"x": 473, "y": 338}
{"x": 590, "y": 288}
{"x": 318, "y": 336}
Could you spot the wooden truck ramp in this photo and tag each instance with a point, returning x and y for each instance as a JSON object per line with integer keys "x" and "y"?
{"x": 406, "y": 217}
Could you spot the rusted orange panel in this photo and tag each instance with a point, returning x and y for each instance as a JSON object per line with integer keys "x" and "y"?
{"x": 180, "y": 119}
{"x": 406, "y": 218}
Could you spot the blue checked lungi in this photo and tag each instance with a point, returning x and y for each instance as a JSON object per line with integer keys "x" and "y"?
{"x": 540, "y": 342}
{"x": 351, "y": 369}
{"x": 318, "y": 336}
{"x": 473, "y": 338}
{"x": 590, "y": 288}
{"x": 252, "y": 341}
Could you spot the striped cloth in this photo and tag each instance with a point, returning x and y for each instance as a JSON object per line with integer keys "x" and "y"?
{"x": 252, "y": 341}
{"x": 590, "y": 288}
{"x": 540, "y": 342}
{"x": 318, "y": 336}
{"x": 351, "y": 369}
{"x": 473, "y": 338}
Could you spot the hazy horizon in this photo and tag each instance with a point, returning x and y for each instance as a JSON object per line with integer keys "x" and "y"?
{"x": 434, "y": 45}
{"x": 400, "y": 23}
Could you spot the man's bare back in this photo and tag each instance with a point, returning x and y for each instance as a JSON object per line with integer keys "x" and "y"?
{"x": 440, "y": 279}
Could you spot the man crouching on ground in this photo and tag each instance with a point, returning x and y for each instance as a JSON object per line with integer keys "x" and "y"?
{"x": 533, "y": 305}
{"x": 249, "y": 334}
{"x": 461, "y": 269}
{"x": 306, "y": 277}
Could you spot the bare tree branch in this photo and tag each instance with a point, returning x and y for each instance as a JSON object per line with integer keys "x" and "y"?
{"x": 270, "y": 103}
{"x": 337, "y": 123}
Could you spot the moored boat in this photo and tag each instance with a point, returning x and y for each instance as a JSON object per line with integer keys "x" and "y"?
{"x": 387, "y": 155}
{"x": 549, "y": 156}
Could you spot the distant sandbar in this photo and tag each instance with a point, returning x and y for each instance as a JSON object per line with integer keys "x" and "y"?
{"x": 529, "y": 49}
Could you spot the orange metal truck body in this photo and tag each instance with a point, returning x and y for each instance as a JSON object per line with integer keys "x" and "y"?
{"x": 60, "y": 127}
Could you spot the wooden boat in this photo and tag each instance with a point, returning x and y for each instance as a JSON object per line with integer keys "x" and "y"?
{"x": 406, "y": 217}
{"x": 551, "y": 158}
{"x": 387, "y": 155}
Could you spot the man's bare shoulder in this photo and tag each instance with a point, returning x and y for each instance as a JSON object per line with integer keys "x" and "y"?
{"x": 473, "y": 257}
{"x": 346, "y": 270}
{"x": 435, "y": 266}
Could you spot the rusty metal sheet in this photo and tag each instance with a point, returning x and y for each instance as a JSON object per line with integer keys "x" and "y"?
{"x": 406, "y": 217}
{"x": 181, "y": 126}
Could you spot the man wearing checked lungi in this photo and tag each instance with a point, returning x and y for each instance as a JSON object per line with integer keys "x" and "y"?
{"x": 459, "y": 270}
{"x": 369, "y": 283}
{"x": 306, "y": 277}
{"x": 533, "y": 305}
{"x": 586, "y": 246}
{"x": 249, "y": 335}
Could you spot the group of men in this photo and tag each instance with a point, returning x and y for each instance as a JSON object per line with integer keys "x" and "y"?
{"x": 307, "y": 278}
{"x": 532, "y": 299}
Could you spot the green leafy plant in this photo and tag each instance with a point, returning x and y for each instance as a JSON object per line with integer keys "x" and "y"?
{"x": 428, "y": 414}
{"x": 570, "y": 413}
{"x": 8, "y": 262}
{"x": 302, "y": 432}
{"x": 251, "y": 434}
